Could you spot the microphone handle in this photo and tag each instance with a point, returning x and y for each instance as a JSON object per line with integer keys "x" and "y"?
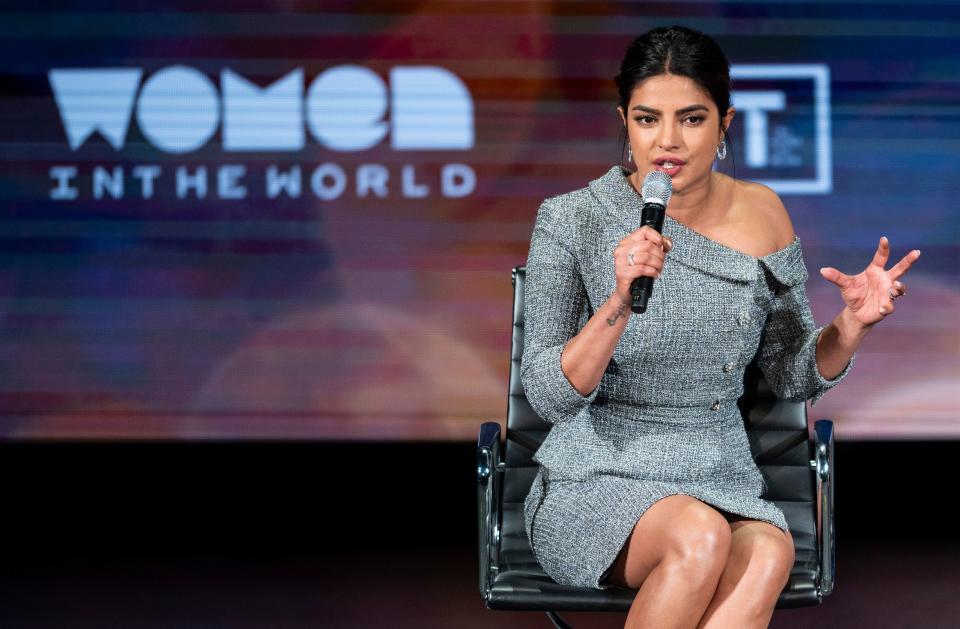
{"x": 642, "y": 287}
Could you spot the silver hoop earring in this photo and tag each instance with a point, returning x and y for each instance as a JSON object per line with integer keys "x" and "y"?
{"x": 722, "y": 149}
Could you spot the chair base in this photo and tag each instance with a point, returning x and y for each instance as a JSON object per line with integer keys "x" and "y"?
{"x": 557, "y": 621}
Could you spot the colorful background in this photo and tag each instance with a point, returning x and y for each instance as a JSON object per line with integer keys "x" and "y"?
{"x": 367, "y": 317}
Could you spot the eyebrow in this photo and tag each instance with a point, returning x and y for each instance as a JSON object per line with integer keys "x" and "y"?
{"x": 696, "y": 107}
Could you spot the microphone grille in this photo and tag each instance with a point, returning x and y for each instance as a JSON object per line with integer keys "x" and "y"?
{"x": 657, "y": 188}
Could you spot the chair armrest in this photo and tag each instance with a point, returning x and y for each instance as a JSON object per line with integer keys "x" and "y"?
{"x": 489, "y": 472}
{"x": 823, "y": 464}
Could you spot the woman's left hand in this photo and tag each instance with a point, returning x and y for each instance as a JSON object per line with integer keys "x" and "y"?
{"x": 870, "y": 293}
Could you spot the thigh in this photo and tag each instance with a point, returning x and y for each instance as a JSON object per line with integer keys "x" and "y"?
{"x": 656, "y": 533}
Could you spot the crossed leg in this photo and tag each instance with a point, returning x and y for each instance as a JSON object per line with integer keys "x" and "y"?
{"x": 757, "y": 569}
{"x": 696, "y": 566}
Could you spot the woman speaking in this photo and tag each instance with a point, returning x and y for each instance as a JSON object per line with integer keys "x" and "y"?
{"x": 646, "y": 479}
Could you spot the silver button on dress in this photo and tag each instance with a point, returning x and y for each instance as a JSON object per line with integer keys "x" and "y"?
{"x": 664, "y": 422}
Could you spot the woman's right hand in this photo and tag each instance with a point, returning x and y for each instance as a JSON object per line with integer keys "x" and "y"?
{"x": 649, "y": 249}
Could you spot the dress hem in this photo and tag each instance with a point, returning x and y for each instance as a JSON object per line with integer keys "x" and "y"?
{"x": 608, "y": 540}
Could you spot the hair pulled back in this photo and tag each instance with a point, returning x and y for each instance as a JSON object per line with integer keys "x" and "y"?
{"x": 675, "y": 50}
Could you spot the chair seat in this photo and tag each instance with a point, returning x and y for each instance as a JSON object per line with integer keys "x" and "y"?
{"x": 521, "y": 583}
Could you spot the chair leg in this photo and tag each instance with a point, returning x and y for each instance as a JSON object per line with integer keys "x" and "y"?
{"x": 557, "y": 621}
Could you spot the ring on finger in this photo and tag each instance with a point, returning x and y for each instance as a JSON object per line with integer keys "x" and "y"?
{"x": 630, "y": 258}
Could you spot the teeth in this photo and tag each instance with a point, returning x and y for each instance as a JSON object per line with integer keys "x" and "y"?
{"x": 668, "y": 165}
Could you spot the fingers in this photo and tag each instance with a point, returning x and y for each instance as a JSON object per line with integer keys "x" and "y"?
{"x": 904, "y": 264}
{"x": 835, "y": 276}
{"x": 886, "y": 304}
{"x": 897, "y": 290}
{"x": 647, "y": 233}
{"x": 642, "y": 255}
{"x": 883, "y": 252}
{"x": 645, "y": 270}
{"x": 635, "y": 266}
{"x": 638, "y": 259}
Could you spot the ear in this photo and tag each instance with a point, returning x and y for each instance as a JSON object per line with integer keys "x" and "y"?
{"x": 622, "y": 116}
{"x": 726, "y": 121}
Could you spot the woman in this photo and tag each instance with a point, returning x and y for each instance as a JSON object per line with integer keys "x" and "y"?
{"x": 646, "y": 478}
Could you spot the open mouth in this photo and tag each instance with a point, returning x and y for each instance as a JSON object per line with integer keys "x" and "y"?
{"x": 670, "y": 168}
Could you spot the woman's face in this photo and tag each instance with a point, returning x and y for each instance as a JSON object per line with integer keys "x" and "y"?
{"x": 671, "y": 116}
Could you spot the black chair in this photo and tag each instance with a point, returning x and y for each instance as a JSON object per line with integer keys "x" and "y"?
{"x": 798, "y": 471}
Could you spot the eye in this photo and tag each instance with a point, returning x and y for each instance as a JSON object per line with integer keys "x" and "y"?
{"x": 641, "y": 119}
{"x": 695, "y": 120}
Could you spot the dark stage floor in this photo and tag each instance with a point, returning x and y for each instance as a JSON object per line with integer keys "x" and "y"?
{"x": 880, "y": 584}
{"x": 382, "y": 535}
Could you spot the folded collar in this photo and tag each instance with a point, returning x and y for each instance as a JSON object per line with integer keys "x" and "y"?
{"x": 690, "y": 247}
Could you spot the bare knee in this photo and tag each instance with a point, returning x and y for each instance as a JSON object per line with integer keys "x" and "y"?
{"x": 775, "y": 556}
{"x": 771, "y": 562}
{"x": 698, "y": 545}
{"x": 687, "y": 535}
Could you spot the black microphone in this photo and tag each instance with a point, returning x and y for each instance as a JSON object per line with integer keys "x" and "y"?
{"x": 656, "y": 192}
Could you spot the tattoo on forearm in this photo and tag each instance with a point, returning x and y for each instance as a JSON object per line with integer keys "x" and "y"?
{"x": 621, "y": 312}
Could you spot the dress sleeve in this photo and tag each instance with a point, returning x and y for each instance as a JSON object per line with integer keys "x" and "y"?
{"x": 787, "y": 353}
{"x": 554, "y": 299}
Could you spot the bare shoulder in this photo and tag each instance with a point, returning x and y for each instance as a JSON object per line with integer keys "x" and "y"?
{"x": 766, "y": 209}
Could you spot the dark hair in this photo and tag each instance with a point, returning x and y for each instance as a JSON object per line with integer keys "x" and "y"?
{"x": 675, "y": 50}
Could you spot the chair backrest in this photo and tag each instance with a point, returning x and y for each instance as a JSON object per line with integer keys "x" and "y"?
{"x": 777, "y": 428}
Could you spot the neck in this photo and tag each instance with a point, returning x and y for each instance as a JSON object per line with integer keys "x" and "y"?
{"x": 687, "y": 206}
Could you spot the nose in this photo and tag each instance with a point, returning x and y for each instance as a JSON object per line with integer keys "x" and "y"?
{"x": 668, "y": 136}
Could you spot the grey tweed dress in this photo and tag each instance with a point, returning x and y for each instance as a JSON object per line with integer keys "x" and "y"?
{"x": 664, "y": 419}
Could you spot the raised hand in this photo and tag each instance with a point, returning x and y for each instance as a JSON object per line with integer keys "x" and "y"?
{"x": 870, "y": 293}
